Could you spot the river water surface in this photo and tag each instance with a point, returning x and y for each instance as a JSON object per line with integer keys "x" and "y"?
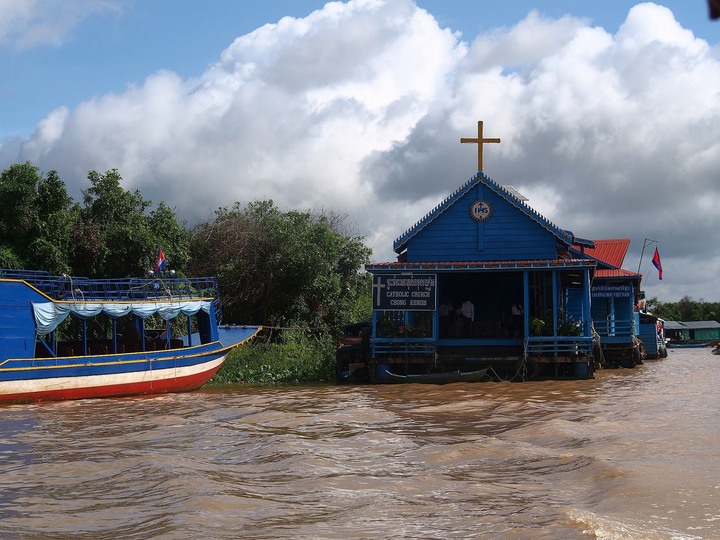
{"x": 631, "y": 454}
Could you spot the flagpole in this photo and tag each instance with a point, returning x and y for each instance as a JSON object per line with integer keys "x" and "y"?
{"x": 646, "y": 243}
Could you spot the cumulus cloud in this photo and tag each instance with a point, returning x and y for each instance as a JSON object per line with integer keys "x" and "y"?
{"x": 359, "y": 107}
{"x": 31, "y": 23}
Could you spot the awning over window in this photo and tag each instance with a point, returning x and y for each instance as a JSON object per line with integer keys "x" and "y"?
{"x": 48, "y": 315}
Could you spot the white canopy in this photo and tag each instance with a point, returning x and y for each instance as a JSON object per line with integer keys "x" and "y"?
{"x": 48, "y": 315}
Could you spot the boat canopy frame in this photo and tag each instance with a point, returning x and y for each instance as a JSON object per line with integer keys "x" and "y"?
{"x": 85, "y": 298}
{"x": 48, "y": 315}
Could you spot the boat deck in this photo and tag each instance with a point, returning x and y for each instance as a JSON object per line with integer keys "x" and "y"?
{"x": 120, "y": 289}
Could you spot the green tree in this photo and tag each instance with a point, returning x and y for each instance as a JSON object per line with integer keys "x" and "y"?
{"x": 172, "y": 236}
{"x": 41, "y": 227}
{"x": 115, "y": 221}
{"x": 663, "y": 310}
{"x": 284, "y": 269}
{"x": 18, "y": 192}
{"x": 57, "y": 215}
{"x": 36, "y": 218}
{"x": 116, "y": 237}
{"x": 686, "y": 309}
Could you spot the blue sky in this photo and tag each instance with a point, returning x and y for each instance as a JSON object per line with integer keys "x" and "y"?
{"x": 608, "y": 110}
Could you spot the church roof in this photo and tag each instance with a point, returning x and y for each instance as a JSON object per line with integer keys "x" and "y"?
{"x": 563, "y": 235}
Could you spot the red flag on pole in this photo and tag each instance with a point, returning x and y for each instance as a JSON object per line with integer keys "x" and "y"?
{"x": 159, "y": 261}
{"x": 656, "y": 262}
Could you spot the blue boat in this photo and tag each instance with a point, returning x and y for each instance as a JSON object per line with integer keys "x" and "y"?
{"x": 64, "y": 337}
{"x": 687, "y": 344}
{"x": 446, "y": 377}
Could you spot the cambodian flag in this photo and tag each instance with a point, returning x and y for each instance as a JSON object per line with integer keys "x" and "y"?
{"x": 657, "y": 263}
{"x": 159, "y": 261}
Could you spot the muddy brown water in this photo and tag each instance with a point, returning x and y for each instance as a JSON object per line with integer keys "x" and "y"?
{"x": 631, "y": 454}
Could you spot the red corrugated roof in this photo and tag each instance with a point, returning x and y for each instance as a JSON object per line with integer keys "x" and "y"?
{"x": 615, "y": 273}
{"x": 610, "y": 251}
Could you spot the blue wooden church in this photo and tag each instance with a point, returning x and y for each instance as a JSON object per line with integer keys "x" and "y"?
{"x": 484, "y": 282}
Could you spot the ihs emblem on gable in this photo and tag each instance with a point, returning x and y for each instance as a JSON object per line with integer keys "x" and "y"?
{"x": 480, "y": 210}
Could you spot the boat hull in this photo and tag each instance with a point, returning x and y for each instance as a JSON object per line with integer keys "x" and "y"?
{"x": 123, "y": 383}
{"x": 692, "y": 345}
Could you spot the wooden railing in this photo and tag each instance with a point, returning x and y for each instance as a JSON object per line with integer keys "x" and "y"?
{"x": 615, "y": 328}
{"x": 402, "y": 346}
{"x": 559, "y": 345}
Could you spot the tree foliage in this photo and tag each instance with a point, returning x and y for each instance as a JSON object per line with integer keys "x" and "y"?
{"x": 36, "y": 217}
{"x": 685, "y": 309}
{"x": 110, "y": 234}
{"x": 285, "y": 269}
{"x": 121, "y": 242}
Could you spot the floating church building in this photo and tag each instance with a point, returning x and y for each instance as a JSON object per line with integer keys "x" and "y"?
{"x": 483, "y": 283}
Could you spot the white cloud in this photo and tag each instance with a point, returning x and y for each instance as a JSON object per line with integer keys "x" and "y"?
{"x": 31, "y": 23}
{"x": 359, "y": 107}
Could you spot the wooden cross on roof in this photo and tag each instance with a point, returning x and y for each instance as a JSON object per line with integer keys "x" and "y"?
{"x": 480, "y": 141}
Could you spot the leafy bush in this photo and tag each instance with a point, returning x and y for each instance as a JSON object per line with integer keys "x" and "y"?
{"x": 295, "y": 361}
{"x": 566, "y": 325}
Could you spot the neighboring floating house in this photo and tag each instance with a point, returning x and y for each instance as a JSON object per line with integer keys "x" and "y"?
{"x": 652, "y": 335}
{"x": 482, "y": 281}
{"x": 703, "y": 330}
{"x": 614, "y": 300}
{"x": 676, "y": 331}
{"x": 692, "y": 331}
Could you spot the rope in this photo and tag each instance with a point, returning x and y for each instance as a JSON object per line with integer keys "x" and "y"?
{"x": 521, "y": 369}
{"x": 299, "y": 328}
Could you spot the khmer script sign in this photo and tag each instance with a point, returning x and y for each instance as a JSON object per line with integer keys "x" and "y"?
{"x": 612, "y": 291}
{"x": 412, "y": 292}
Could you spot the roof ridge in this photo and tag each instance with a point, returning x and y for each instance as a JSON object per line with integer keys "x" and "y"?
{"x": 437, "y": 210}
{"x": 480, "y": 177}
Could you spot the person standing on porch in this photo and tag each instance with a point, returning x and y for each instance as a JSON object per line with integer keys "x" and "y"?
{"x": 467, "y": 311}
{"x": 517, "y": 317}
{"x": 446, "y": 310}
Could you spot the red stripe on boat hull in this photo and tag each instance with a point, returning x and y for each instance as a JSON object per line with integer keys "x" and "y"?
{"x": 161, "y": 386}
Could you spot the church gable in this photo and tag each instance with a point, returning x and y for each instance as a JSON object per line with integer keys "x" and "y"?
{"x": 482, "y": 221}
